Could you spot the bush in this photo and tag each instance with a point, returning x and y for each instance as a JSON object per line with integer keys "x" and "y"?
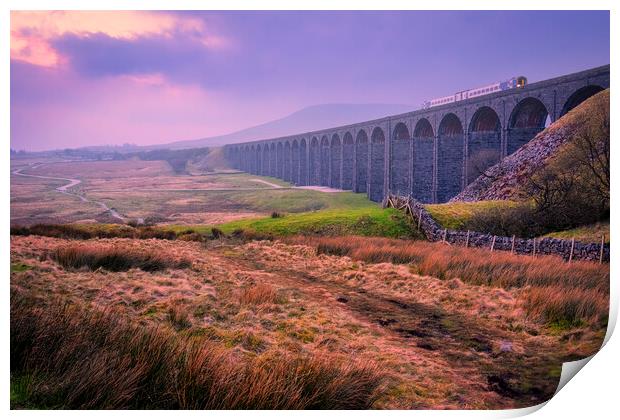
{"x": 191, "y": 237}
{"x": 56, "y": 231}
{"x": 572, "y": 189}
{"x": 79, "y": 358}
{"x": 276, "y": 215}
{"x": 68, "y": 231}
{"x": 520, "y": 220}
{"x": 250, "y": 235}
{"x": 153, "y": 233}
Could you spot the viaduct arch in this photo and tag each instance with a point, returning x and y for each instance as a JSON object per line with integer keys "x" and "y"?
{"x": 400, "y": 159}
{"x": 348, "y": 158}
{"x": 423, "y": 166}
{"x": 484, "y": 148}
{"x": 361, "y": 162}
{"x": 335, "y": 160}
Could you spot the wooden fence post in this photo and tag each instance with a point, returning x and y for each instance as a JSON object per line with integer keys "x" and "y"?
{"x": 493, "y": 243}
{"x": 467, "y": 240}
{"x": 572, "y": 249}
{"x": 534, "y": 247}
{"x": 512, "y": 248}
{"x": 600, "y": 258}
{"x": 445, "y": 233}
{"x": 419, "y": 219}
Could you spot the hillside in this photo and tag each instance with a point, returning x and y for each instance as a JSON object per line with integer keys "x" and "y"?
{"x": 213, "y": 161}
{"x": 505, "y": 180}
{"x": 307, "y": 119}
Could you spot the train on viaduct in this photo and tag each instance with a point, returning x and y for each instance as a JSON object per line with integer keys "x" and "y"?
{"x": 431, "y": 154}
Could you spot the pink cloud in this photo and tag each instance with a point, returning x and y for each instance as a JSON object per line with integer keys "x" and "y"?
{"x": 136, "y": 109}
{"x": 31, "y": 31}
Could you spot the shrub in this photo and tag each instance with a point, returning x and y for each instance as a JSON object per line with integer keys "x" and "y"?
{"x": 94, "y": 231}
{"x": 237, "y": 233}
{"x": 191, "y": 237}
{"x": 153, "y": 233}
{"x": 520, "y": 220}
{"x": 115, "y": 258}
{"x": 250, "y": 235}
{"x": 216, "y": 233}
{"x": 276, "y": 215}
{"x": 59, "y": 231}
{"x": 572, "y": 188}
{"x": 20, "y": 231}
{"x": 80, "y": 358}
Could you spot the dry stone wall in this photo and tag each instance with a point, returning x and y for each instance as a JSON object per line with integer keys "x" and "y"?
{"x": 535, "y": 246}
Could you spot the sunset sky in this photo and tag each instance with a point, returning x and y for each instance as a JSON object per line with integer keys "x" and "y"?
{"x": 93, "y": 78}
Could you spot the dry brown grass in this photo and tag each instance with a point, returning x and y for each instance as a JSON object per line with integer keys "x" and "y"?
{"x": 565, "y": 307}
{"x": 474, "y": 266}
{"x": 445, "y": 344}
{"x": 259, "y": 294}
{"x": 115, "y": 258}
{"x": 561, "y": 294}
{"x": 78, "y": 357}
{"x": 91, "y": 231}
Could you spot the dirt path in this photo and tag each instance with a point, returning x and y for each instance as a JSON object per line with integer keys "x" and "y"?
{"x": 320, "y": 188}
{"x": 464, "y": 351}
{"x": 304, "y": 187}
{"x": 271, "y": 184}
{"x": 64, "y": 189}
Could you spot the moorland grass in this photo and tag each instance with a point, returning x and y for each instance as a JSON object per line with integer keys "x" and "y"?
{"x": 371, "y": 221}
{"x": 587, "y": 234}
{"x": 115, "y": 258}
{"x": 368, "y": 221}
{"x": 77, "y": 357}
{"x": 259, "y": 294}
{"x": 456, "y": 215}
{"x": 566, "y": 295}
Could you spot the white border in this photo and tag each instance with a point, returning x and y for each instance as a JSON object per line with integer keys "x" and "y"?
{"x": 593, "y": 394}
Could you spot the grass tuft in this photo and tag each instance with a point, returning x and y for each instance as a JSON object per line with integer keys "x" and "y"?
{"x": 564, "y": 307}
{"x": 78, "y": 357}
{"x": 115, "y": 258}
{"x": 259, "y": 294}
{"x": 567, "y": 296}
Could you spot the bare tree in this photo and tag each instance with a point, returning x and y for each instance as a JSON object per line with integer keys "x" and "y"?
{"x": 479, "y": 162}
{"x": 573, "y": 187}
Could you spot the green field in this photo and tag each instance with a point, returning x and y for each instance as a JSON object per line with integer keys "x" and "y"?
{"x": 456, "y": 215}
{"x": 589, "y": 233}
{"x": 362, "y": 221}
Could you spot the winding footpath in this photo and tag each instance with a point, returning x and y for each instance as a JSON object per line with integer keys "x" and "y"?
{"x": 64, "y": 189}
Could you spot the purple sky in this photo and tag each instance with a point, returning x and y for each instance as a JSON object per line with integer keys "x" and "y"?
{"x": 92, "y": 78}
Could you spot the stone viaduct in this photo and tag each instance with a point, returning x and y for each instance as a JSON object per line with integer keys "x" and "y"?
{"x": 431, "y": 154}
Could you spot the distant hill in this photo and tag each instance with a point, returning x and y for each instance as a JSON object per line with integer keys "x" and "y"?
{"x": 504, "y": 181}
{"x": 307, "y": 119}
